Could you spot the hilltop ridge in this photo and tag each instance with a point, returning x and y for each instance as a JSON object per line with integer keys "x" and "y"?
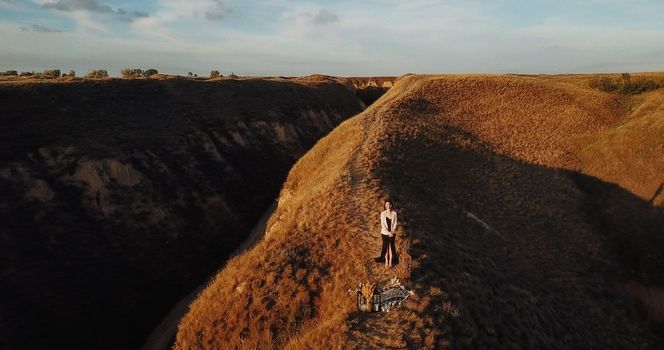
{"x": 511, "y": 234}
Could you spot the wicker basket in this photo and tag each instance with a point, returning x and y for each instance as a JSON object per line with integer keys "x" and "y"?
{"x": 372, "y": 305}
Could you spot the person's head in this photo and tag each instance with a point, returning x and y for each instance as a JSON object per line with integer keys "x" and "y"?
{"x": 388, "y": 205}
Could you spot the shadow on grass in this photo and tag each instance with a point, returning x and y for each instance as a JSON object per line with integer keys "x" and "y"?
{"x": 528, "y": 255}
{"x": 85, "y": 270}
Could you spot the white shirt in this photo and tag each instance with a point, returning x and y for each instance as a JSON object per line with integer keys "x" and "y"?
{"x": 383, "y": 223}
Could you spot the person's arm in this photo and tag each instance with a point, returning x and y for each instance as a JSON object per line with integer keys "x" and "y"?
{"x": 383, "y": 222}
{"x": 394, "y": 223}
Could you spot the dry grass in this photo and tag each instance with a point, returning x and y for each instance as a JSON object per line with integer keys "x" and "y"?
{"x": 535, "y": 273}
{"x": 303, "y": 282}
{"x": 296, "y": 265}
{"x": 585, "y": 80}
{"x": 521, "y": 117}
{"x": 632, "y": 153}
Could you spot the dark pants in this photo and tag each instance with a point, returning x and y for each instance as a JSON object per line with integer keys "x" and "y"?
{"x": 388, "y": 243}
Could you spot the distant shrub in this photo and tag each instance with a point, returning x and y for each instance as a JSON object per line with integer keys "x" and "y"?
{"x": 131, "y": 73}
{"x": 195, "y": 75}
{"x": 638, "y": 87}
{"x": 606, "y": 84}
{"x": 150, "y": 72}
{"x": 71, "y": 74}
{"x": 97, "y": 74}
{"x": 233, "y": 76}
{"x": 625, "y": 77}
{"x": 190, "y": 74}
{"x": 27, "y": 74}
{"x": 624, "y": 84}
{"x": 9, "y": 73}
{"x": 51, "y": 73}
{"x": 214, "y": 74}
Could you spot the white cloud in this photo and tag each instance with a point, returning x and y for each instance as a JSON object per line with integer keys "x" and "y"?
{"x": 192, "y": 13}
{"x": 218, "y": 12}
{"x": 40, "y": 28}
{"x": 293, "y": 37}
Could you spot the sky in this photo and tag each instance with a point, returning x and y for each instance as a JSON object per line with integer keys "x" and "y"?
{"x": 344, "y": 37}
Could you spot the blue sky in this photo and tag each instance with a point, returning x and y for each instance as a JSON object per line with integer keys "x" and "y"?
{"x": 293, "y": 37}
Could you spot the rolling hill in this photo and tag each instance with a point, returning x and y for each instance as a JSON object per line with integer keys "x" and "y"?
{"x": 528, "y": 206}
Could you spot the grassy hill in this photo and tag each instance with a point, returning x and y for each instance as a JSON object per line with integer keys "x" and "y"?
{"x": 525, "y": 205}
{"x": 121, "y": 196}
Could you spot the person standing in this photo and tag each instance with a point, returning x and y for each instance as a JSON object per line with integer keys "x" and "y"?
{"x": 388, "y": 226}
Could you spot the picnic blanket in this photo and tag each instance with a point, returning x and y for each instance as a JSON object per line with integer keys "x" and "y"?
{"x": 385, "y": 297}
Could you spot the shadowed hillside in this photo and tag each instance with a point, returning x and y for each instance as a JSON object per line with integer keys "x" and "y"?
{"x": 120, "y": 196}
{"x": 512, "y": 234}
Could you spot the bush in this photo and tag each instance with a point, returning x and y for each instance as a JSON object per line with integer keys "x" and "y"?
{"x": 625, "y": 77}
{"x": 27, "y": 74}
{"x": 97, "y": 74}
{"x": 51, "y": 73}
{"x": 9, "y": 73}
{"x": 71, "y": 74}
{"x": 214, "y": 74}
{"x": 606, "y": 84}
{"x": 190, "y": 74}
{"x": 131, "y": 73}
{"x": 624, "y": 84}
{"x": 638, "y": 87}
{"x": 150, "y": 72}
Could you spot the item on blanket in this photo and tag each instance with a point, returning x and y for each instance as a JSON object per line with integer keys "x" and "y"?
{"x": 375, "y": 298}
{"x": 367, "y": 298}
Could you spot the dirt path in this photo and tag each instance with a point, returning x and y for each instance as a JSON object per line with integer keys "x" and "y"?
{"x": 162, "y": 336}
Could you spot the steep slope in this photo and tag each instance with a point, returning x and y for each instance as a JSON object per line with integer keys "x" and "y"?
{"x": 504, "y": 239}
{"x": 119, "y": 197}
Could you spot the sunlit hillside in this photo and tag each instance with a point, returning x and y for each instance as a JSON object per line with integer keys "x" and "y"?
{"x": 526, "y": 211}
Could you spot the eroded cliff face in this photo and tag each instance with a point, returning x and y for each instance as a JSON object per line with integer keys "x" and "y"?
{"x": 365, "y": 82}
{"x": 370, "y": 89}
{"x": 118, "y": 197}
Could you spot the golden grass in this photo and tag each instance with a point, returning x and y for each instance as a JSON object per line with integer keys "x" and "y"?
{"x": 582, "y": 80}
{"x": 503, "y": 148}
{"x": 295, "y": 266}
{"x": 632, "y": 153}
{"x": 516, "y": 115}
